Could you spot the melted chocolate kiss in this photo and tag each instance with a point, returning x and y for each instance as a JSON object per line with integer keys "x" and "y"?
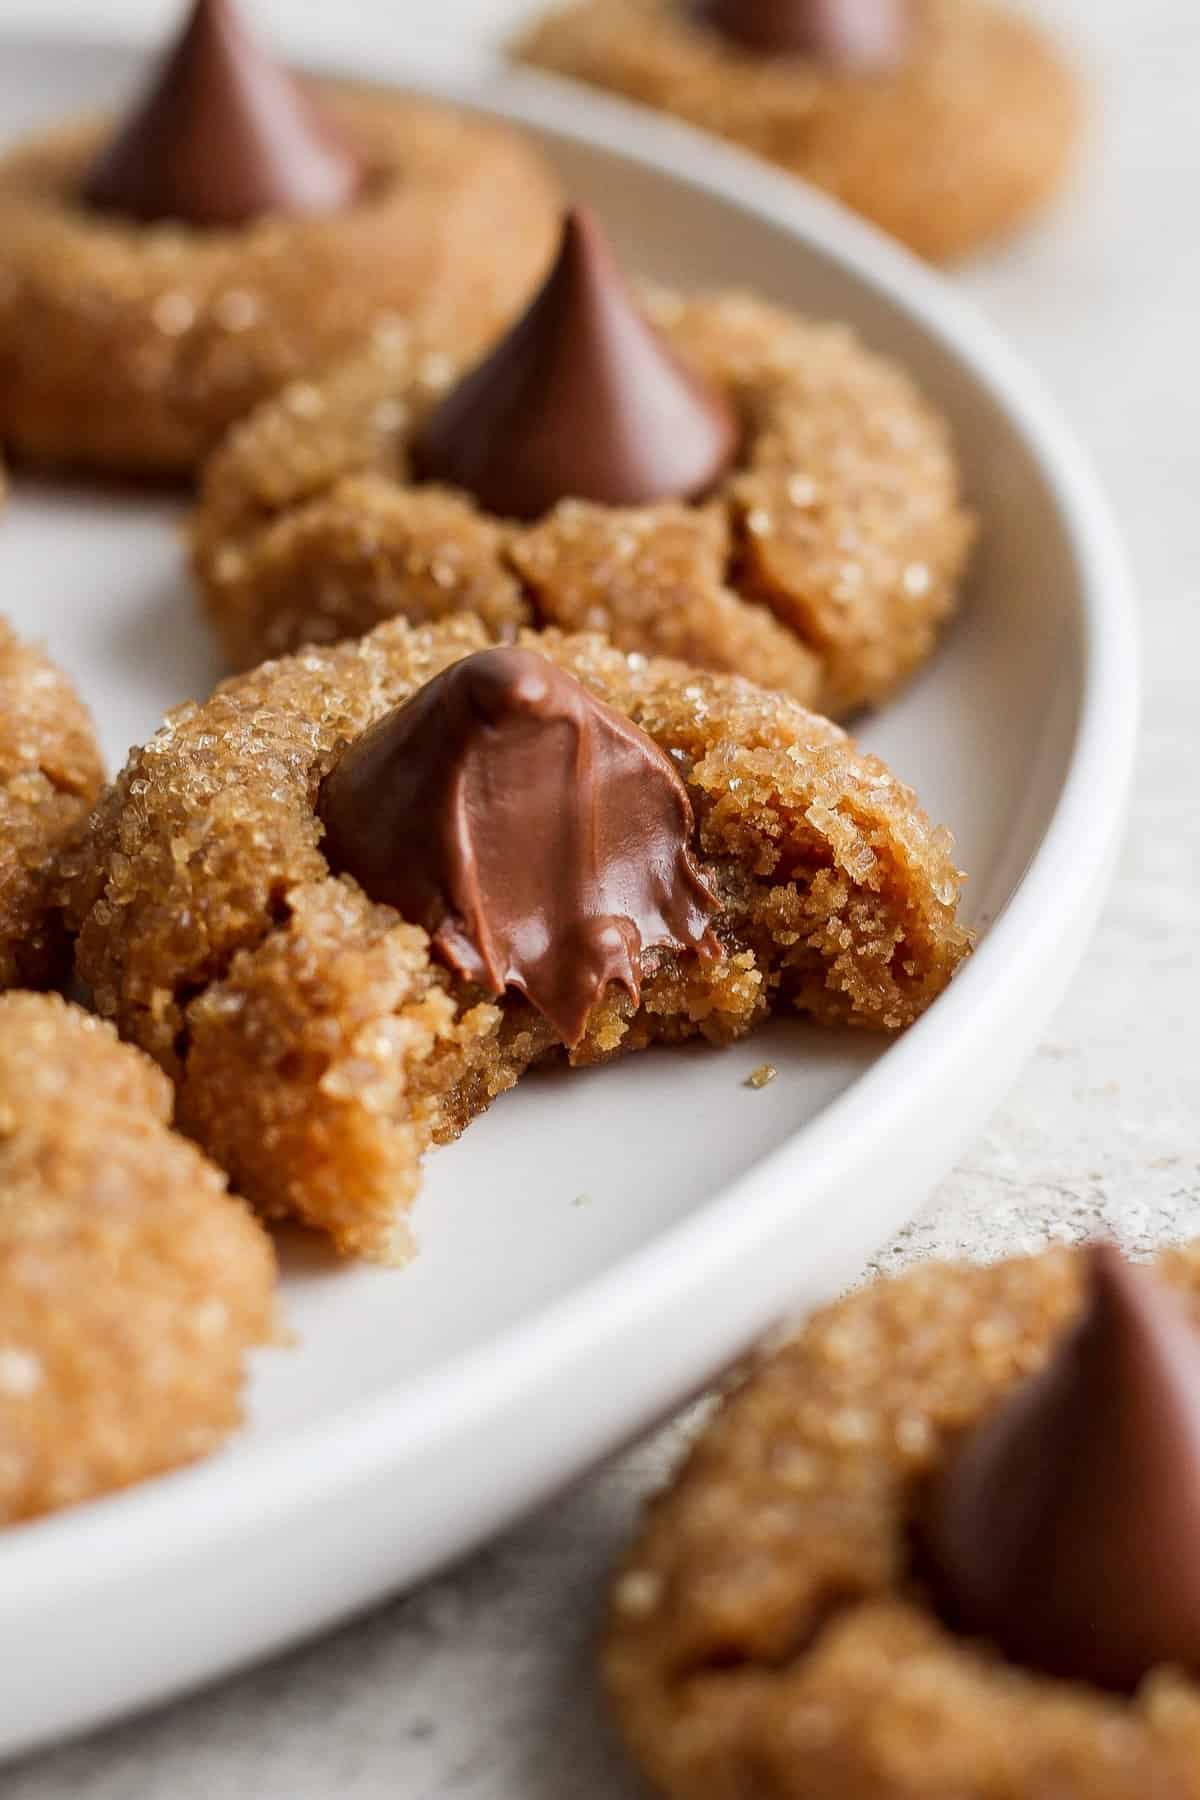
{"x": 583, "y": 400}
{"x": 865, "y": 36}
{"x": 1067, "y": 1526}
{"x": 540, "y": 837}
{"x": 222, "y": 135}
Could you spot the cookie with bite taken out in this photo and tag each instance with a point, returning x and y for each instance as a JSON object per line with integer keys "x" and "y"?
{"x": 351, "y": 898}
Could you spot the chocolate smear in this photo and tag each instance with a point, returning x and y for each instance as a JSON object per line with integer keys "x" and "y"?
{"x": 222, "y": 135}
{"x": 856, "y": 36}
{"x": 540, "y": 837}
{"x": 582, "y": 400}
{"x": 1066, "y": 1527}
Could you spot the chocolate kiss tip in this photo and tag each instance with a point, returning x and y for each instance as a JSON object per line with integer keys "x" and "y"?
{"x": 582, "y": 400}
{"x": 222, "y": 135}
{"x": 863, "y": 36}
{"x": 1066, "y": 1527}
{"x": 541, "y": 838}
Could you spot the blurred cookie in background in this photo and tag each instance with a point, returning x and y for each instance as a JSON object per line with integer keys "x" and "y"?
{"x": 235, "y": 230}
{"x": 946, "y": 122}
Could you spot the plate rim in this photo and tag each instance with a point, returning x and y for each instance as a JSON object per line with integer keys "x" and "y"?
{"x": 307, "y": 1466}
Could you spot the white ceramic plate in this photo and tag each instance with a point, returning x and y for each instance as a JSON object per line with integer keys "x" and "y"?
{"x": 599, "y": 1245}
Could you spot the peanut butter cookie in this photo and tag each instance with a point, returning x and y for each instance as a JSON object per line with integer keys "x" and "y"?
{"x": 236, "y": 231}
{"x": 131, "y": 1283}
{"x": 940, "y": 1547}
{"x": 946, "y": 122}
{"x": 317, "y": 904}
{"x": 752, "y": 492}
{"x": 50, "y": 775}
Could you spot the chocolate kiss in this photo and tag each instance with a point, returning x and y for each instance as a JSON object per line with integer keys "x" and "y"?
{"x": 867, "y": 36}
{"x": 540, "y": 837}
{"x": 582, "y": 400}
{"x": 222, "y": 135}
{"x": 1067, "y": 1527}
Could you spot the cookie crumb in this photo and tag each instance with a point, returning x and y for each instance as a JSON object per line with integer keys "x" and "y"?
{"x": 761, "y": 1077}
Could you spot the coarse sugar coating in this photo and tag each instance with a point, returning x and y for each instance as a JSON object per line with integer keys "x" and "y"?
{"x": 972, "y": 133}
{"x": 164, "y": 334}
{"x": 318, "y": 1047}
{"x": 50, "y": 774}
{"x": 770, "y": 1634}
{"x": 825, "y": 565}
{"x": 131, "y": 1283}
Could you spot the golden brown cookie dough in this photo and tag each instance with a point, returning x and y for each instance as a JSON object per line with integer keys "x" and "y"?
{"x": 128, "y": 347}
{"x": 131, "y": 1283}
{"x": 319, "y": 1050}
{"x": 957, "y": 146}
{"x": 825, "y": 565}
{"x": 50, "y": 774}
{"x": 770, "y": 1632}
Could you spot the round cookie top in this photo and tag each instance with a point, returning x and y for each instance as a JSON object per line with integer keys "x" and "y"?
{"x": 820, "y": 556}
{"x": 239, "y": 229}
{"x": 789, "y": 1621}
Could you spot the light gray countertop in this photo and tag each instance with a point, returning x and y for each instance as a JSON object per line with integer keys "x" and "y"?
{"x": 479, "y": 1687}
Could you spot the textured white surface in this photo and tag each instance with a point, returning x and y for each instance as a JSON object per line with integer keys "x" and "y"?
{"x": 480, "y": 1686}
